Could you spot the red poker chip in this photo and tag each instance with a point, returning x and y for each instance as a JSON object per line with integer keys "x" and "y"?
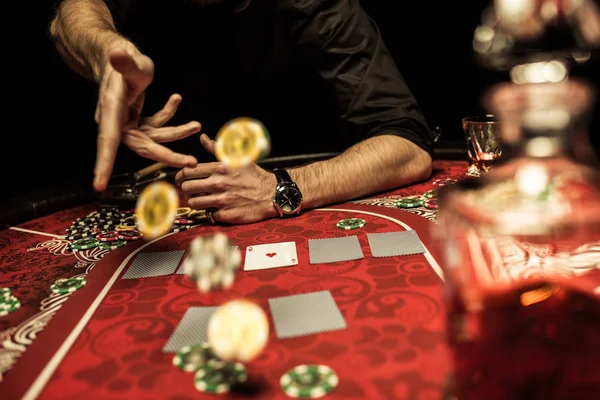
{"x": 108, "y": 236}
{"x": 129, "y": 235}
{"x": 185, "y": 221}
{"x": 431, "y": 204}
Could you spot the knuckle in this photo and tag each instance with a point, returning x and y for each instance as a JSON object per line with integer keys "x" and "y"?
{"x": 221, "y": 169}
{"x": 144, "y": 151}
{"x": 186, "y": 186}
{"x": 219, "y": 184}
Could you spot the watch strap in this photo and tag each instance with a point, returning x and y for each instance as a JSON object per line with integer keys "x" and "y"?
{"x": 282, "y": 176}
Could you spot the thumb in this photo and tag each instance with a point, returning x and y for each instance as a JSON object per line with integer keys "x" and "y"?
{"x": 207, "y": 143}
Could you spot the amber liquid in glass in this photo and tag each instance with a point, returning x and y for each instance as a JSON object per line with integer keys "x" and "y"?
{"x": 533, "y": 340}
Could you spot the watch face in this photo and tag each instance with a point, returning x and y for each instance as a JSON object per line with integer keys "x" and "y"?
{"x": 289, "y": 199}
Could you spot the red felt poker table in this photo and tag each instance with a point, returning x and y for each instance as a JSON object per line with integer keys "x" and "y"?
{"x": 105, "y": 341}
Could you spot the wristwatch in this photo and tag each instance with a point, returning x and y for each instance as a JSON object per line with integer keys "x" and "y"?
{"x": 288, "y": 198}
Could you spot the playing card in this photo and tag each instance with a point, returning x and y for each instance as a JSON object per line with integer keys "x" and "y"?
{"x": 146, "y": 265}
{"x": 390, "y": 244}
{"x": 335, "y": 249}
{"x": 273, "y": 255}
{"x": 305, "y": 314}
{"x": 191, "y": 329}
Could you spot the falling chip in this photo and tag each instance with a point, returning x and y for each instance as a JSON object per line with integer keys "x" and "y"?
{"x": 555, "y": 71}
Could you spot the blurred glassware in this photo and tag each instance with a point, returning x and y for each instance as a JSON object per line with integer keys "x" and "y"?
{"x": 514, "y": 32}
{"x": 521, "y": 255}
{"x": 482, "y": 134}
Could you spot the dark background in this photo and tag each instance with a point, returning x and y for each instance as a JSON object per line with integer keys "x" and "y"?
{"x": 53, "y": 141}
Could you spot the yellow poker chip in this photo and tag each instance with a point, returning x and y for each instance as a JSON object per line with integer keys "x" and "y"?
{"x": 156, "y": 209}
{"x": 196, "y": 213}
{"x": 125, "y": 228}
{"x": 183, "y": 212}
{"x": 242, "y": 141}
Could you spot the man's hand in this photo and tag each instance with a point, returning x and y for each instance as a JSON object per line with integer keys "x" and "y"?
{"x": 125, "y": 77}
{"x": 240, "y": 196}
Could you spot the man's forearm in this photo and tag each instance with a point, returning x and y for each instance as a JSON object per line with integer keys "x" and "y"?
{"x": 83, "y": 31}
{"x": 374, "y": 165}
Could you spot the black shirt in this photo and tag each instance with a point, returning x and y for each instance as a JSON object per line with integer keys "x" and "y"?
{"x": 315, "y": 72}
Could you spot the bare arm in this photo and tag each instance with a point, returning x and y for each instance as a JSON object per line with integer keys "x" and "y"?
{"x": 85, "y": 36}
{"x": 371, "y": 166}
{"x": 83, "y": 31}
{"x": 243, "y": 196}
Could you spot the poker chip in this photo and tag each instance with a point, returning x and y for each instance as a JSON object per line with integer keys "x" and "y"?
{"x": 113, "y": 245}
{"x": 431, "y": 204}
{"x": 78, "y": 229}
{"x": 4, "y": 293}
{"x": 181, "y": 228}
{"x": 444, "y": 182}
{"x": 431, "y": 194}
{"x": 80, "y": 235}
{"x": 156, "y": 209}
{"x": 8, "y": 302}
{"x": 182, "y": 212}
{"x": 351, "y": 223}
{"x": 85, "y": 243}
{"x": 184, "y": 221}
{"x": 408, "y": 202}
{"x": 110, "y": 236}
{"x": 8, "y": 305}
{"x": 124, "y": 228}
{"x": 212, "y": 262}
{"x": 129, "y": 235}
{"x": 219, "y": 376}
{"x": 131, "y": 221}
{"x": 190, "y": 358}
{"x": 68, "y": 285}
{"x": 238, "y": 331}
{"x": 309, "y": 381}
{"x": 241, "y": 142}
{"x": 196, "y": 213}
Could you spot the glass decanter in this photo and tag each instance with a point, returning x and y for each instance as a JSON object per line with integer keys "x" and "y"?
{"x": 521, "y": 254}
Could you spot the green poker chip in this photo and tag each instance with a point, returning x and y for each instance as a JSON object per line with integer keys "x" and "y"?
{"x": 351, "y": 223}
{"x": 4, "y": 293}
{"x": 309, "y": 381}
{"x": 8, "y": 304}
{"x": 85, "y": 243}
{"x": 431, "y": 194}
{"x": 219, "y": 376}
{"x": 68, "y": 285}
{"x": 112, "y": 245}
{"x": 191, "y": 358}
{"x": 408, "y": 202}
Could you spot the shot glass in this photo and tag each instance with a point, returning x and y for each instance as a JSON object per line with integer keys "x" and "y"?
{"x": 482, "y": 134}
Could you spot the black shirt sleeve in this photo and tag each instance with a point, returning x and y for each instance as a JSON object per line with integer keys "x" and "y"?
{"x": 338, "y": 40}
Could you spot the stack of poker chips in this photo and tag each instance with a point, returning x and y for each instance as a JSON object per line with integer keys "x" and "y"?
{"x": 187, "y": 218}
{"x": 110, "y": 228}
{"x": 214, "y": 375}
{"x": 211, "y": 374}
{"x": 428, "y": 200}
{"x": 8, "y": 302}
{"x": 102, "y": 229}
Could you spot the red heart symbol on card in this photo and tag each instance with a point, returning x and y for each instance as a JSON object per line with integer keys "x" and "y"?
{"x": 271, "y": 255}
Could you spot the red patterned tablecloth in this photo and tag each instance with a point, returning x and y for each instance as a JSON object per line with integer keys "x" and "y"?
{"x": 393, "y": 346}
